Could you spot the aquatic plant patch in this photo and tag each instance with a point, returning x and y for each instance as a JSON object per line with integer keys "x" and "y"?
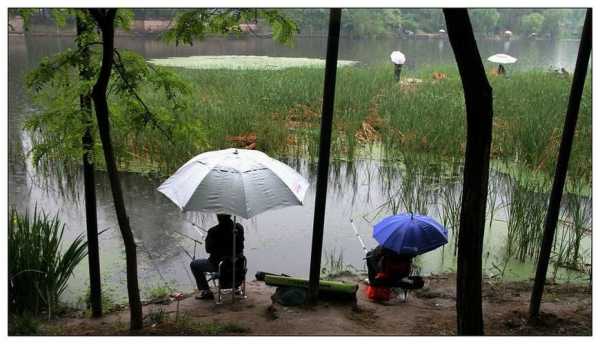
{"x": 248, "y": 62}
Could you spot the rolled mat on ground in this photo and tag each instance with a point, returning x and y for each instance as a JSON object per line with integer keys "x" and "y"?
{"x": 296, "y": 287}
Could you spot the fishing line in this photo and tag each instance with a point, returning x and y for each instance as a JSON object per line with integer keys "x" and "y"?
{"x": 191, "y": 258}
{"x": 152, "y": 262}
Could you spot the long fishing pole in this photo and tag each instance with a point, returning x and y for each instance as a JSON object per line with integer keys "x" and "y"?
{"x": 104, "y": 230}
{"x": 196, "y": 242}
{"x": 189, "y": 237}
{"x": 202, "y": 231}
{"x": 362, "y": 243}
{"x": 141, "y": 243}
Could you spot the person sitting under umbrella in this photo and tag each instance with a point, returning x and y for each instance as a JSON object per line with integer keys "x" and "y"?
{"x": 219, "y": 244}
{"x": 385, "y": 266}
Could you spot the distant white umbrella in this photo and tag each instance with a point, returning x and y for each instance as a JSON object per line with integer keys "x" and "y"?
{"x": 442, "y": 31}
{"x": 502, "y": 59}
{"x": 233, "y": 181}
{"x": 508, "y": 33}
{"x": 398, "y": 58}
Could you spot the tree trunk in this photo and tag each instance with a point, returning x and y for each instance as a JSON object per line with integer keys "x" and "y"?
{"x": 105, "y": 19}
{"x": 560, "y": 174}
{"x": 478, "y": 101}
{"x": 324, "y": 150}
{"x": 85, "y": 101}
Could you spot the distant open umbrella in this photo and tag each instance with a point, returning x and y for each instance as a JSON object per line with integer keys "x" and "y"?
{"x": 410, "y": 234}
{"x": 398, "y": 60}
{"x": 502, "y": 59}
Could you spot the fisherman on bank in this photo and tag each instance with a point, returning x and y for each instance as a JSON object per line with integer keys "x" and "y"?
{"x": 219, "y": 244}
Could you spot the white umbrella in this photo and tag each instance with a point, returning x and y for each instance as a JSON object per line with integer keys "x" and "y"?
{"x": 502, "y": 58}
{"x": 398, "y": 57}
{"x": 442, "y": 31}
{"x": 233, "y": 181}
{"x": 239, "y": 182}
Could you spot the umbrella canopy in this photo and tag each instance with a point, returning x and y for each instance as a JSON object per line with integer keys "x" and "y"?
{"x": 398, "y": 57}
{"x": 239, "y": 182}
{"x": 502, "y": 58}
{"x": 410, "y": 234}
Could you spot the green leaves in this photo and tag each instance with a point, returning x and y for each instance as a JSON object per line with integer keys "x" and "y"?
{"x": 195, "y": 24}
{"x": 38, "y": 267}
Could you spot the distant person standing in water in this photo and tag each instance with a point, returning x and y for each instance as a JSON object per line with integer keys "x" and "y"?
{"x": 398, "y": 59}
{"x": 219, "y": 244}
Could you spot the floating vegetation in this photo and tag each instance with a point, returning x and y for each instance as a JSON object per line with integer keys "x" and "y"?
{"x": 245, "y": 62}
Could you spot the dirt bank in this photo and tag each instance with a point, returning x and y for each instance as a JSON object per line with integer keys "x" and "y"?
{"x": 566, "y": 310}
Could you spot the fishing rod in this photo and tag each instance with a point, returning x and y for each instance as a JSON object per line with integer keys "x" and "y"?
{"x": 196, "y": 242}
{"x": 189, "y": 237}
{"x": 152, "y": 262}
{"x": 104, "y": 230}
{"x": 202, "y": 230}
{"x": 362, "y": 243}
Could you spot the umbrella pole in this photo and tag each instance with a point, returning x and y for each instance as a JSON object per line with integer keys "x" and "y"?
{"x": 233, "y": 259}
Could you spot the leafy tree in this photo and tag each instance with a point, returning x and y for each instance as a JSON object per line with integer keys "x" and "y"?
{"x": 194, "y": 24}
{"x": 144, "y": 104}
{"x": 552, "y": 22}
{"x": 484, "y": 19}
{"x": 370, "y": 23}
{"x": 532, "y": 23}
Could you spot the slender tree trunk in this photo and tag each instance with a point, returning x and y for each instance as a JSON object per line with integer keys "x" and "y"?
{"x": 324, "y": 150}
{"x": 560, "y": 174}
{"x": 105, "y": 19}
{"x": 85, "y": 101}
{"x": 478, "y": 101}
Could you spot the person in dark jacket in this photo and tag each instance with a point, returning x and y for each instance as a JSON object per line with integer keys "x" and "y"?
{"x": 385, "y": 266}
{"x": 219, "y": 244}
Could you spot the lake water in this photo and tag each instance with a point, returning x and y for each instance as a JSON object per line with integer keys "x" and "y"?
{"x": 278, "y": 241}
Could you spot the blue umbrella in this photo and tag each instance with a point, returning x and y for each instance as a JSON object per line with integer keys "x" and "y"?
{"x": 410, "y": 234}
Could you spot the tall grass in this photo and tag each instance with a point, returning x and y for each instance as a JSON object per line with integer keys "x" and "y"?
{"x": 577, "y": 223}
{"x": 449, "y": 205}
{"x": 282, "y": 108}
{"x": 38, "y": 267}
{"x": 527, "y": 201}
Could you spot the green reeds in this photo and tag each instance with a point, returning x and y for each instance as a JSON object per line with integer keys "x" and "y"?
{"x": 494, "y": 189}
{"x": 575, "y": 225}
{"x": 38, "y": 267}
{"x": 526, "y": 202}
{"x": 334, "y": 264}
{"x": 282, "y": 109}
{"x": 449, "y": 205}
